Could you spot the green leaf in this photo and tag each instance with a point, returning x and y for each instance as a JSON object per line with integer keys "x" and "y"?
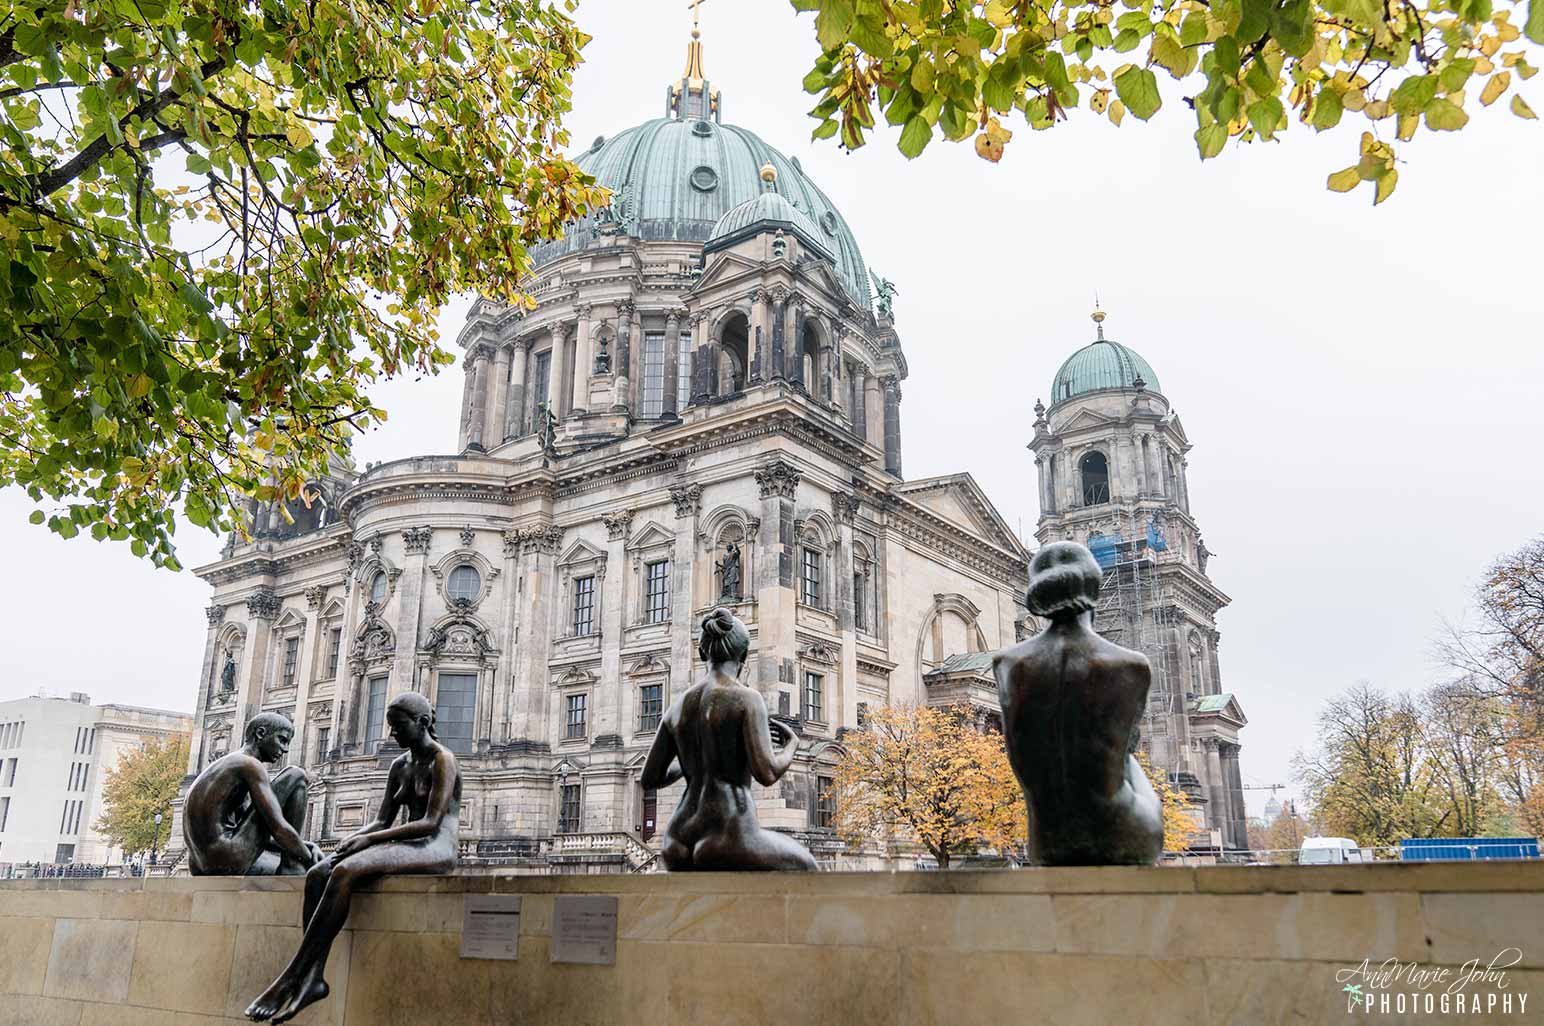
{"x": 1138, "y": 90}
{"x": 1256, "y": 18}
{"x": 1445, "y": 116}
{"x": 1533, "y": 28}
{"x": 1456, "y": 74}
{"x": 1327, "y": 109}
{"x": 36, "y": 517}
{"x": 833, "y": 23}
{"x": 915, "y": 137}
{"x": 1210, "y": 139}
{"x": 1265, "y": 115}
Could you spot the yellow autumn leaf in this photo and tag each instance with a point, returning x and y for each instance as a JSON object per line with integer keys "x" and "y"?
{"x": 1495, "y": 87}
{"x": 1117, "y": 112}
{"x": 298, "y": 135}
{"x": 1354, "y": 99}
{"x": 999, "y": 13}
{"x": 1483, "y": 66}
{"x": 1385, "y": 187}
{"x": 1099, "y": 101}
{"x": 1521, "y": 109}
{"x": 1377, "y": 110}
{"x": 1344, "y": 181}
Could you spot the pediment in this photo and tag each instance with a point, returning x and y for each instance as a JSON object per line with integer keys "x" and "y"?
{"x": 820, "y": 273}
{"x": 574, "y": 676}
{"x": 651, "y": 534}
{"x": 1224, "y": 707}
{"x": 722, "y": 266}
{"x": 1085, "y": 419}
{"x": 581, "y": 551}
{"x": 958, "y": 499}
{"x": 651, "y": 663}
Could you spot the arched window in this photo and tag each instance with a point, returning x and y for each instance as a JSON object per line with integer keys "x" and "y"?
{"x": 1095, "y": 472}
{"x": 378, "y": 587}
{"x": 463, "y": 583}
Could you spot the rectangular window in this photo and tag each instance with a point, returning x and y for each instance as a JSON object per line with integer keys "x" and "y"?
{"x": 825, "y": 802}
{"x": 8, "y": 778}
{"x": 653, "y": 374}
{"x": 814, "y": 709}
{"x": 784, "y": 706}
{"x": 862, "y": 714}
{"x": 656, "y": 592}
{"x": 574, "y": 727}
{"x": 91, "y": 741}
{"x": 569, "y": 810}
{"x": 859, "y": 604}
{"x": 455, "y": 708}
{"x": 651, "y": 699}
{"x": 291, "y": 658}
{"x": 684, "y": 370}
{"x": 5, "y": 812}
{"x": 334, "y": 650}
{"x": 64, "y": 854}
{"x": 323, "y": 737}
{"x": 375, "y": 714}
{"x": 584, "y": 606}
{"x": 541, "y": 387}
{"x": 809, "y": 579}
{"x": 75, "y": 825}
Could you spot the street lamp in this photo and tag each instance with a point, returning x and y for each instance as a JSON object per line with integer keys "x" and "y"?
{"x": 155, "y": 837}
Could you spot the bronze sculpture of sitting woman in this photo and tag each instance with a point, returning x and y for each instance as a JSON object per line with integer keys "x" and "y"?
{"x": 425, "y": 782}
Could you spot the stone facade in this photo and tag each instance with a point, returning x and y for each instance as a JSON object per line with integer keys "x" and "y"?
{"x": 1110, "y": 453}
{"x": 543, "y": 584}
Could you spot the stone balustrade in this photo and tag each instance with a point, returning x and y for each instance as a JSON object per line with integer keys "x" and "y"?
{"x": 1228, "y": 945}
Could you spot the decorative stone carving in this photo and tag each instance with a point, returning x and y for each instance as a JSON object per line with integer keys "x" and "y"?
{"x": 375, "y": 544}
{"x": 468, "y": 536}
{"x": 511, "y": 543}
{"x": 315, "y": 596}
{"x": 263, "y": 604}
{"x": 729, "y": 574}
{"x": 462, "y": 637}
{"x": 216, "y": 615}
{"x": 617, "y": 523}
{"x": 416, "y": 539}
{"x": 687, "y": 499}
{"x": 844, "y": 506}
{"x": 542, "y": 539}
{"x": 356, "y": 554}
{"x": 778, "y": 478}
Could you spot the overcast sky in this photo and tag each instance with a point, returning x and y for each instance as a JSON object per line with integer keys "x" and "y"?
{"x": 1364, "y": 388}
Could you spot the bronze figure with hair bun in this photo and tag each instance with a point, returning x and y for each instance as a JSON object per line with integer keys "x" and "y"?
{"x": 1071, "y": 703}
{"x": 424, "y": 786}
{"x": 719, "y": 737}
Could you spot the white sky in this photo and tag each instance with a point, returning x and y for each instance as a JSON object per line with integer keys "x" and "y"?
{"x": 1363, "y": 387}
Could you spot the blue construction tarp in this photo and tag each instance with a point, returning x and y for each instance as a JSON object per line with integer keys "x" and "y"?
{"x": 1456, "y": 849}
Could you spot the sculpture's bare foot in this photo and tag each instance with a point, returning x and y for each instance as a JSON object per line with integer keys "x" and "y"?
{"x": 267, "y": 1004}
{"x": 311, "y": 989}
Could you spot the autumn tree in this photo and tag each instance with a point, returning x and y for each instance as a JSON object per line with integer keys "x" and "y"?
{"x": 1245, "y": 68}
{"x": 1179, "y": 813}
{"x": 1369, "y": 774}
{"x": 931, "y": 776}
{"x": 142, "y": 784}
{"x": 223, "y": 220}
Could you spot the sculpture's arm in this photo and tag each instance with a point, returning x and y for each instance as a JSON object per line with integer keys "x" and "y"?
{"x": 440, "y": 797}
{"x": 663, "y": 766}
{"x": 284, "y": 836}
{"x": 767, "y": 764}
{"x": 389, "y": 806}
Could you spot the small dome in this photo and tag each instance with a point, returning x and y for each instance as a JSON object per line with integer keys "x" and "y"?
{"x": 768, "y": 208}
{"x": 1098, "y": 365}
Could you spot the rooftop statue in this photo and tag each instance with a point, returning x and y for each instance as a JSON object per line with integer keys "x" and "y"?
{"x": 425, "y": 783}
{"x": 886, "y": 290}
{"x": 1071, "y": 702}
{"x": 719, "y": 737}
{"x": 240, "y": 822}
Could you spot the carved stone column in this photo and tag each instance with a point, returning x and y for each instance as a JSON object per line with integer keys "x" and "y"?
{"x": 479, "y": 408}
{"x": 844, "y": 508}
{"x": 528, "y": 700}
{"x": 892, "y": 387}
{"x": 216, "y": 618}
{"x": 557, "y": 374}
{"x": 761, "y": 317}
{"x": 778, "y": 482}
{"x": 622, "y": 360}
{"x": 611, "y": 620}
{"x": 704, "y": 369}
{"x": 263, "y": 608}
{"x": 464, "y": 434}
{"x": 794, "y": 350}
{"x": 493, "y": 432}
{"x": 687, "y": 499}
{"x": 672, "y": 363}
{"x": 514, "y": 418}
{"x": 779, "y": 334}
{"x": 873, "y": 410}
{"x": 584, "y": 364}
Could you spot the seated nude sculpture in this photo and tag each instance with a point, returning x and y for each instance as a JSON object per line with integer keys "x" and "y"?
{"x": 424, "y": 783}
{"x": 719, "y": 737}
{"x": 1071, "y": 702}
{"x": 239, "y": 822}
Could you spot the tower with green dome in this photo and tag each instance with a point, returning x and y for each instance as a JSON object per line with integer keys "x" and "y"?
{"x": 1111, "y": 458}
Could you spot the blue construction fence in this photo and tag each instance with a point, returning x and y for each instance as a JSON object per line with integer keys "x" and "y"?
{"x": 1463, "y": 849}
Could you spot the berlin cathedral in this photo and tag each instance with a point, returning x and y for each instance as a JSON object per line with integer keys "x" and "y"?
{"x": 703, "y": 408}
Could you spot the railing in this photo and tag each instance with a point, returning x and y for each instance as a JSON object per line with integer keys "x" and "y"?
{"x": 633, "y": 851}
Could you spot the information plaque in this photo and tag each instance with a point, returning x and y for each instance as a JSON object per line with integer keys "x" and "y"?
{"x": 584, "y": 929}
{"x": 490, "y": 926}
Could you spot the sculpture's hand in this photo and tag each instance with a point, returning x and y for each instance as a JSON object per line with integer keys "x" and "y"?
{"x": 316, "y": 854}
{"x": 783, "y": 734}
{"x": 352, "y": 846}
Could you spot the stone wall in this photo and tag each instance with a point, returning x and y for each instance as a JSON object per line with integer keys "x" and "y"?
{"x": 1251, "y": 946}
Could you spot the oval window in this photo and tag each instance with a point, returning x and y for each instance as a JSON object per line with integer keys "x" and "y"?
{"x": 378, "y": 587}
{"x": 704, "y": 179}
{"x": 464, "y": 583}
{"x": 828, "y": 222}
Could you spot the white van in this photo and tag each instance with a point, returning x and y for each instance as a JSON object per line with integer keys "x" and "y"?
{"x": 1328, "y": 851}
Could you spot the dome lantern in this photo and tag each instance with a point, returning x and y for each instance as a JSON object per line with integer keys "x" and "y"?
{"x": 1102, "y": 364}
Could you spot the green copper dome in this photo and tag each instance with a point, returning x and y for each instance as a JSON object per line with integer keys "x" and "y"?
{"x": 674, "y": 178}
{"x": 769, "y": 210}
{"x": 1101, "y": 364}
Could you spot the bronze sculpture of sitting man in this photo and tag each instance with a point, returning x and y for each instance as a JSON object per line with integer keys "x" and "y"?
{"x": 1071, "y": 702}
{"x": 239, "y": 822}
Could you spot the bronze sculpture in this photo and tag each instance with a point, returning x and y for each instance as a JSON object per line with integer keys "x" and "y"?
{"x": 729, "y": 574}
{"x": 1071, "y": 702}
{"x": 425, "y": 782}
{"x": 719, "y": 737}
{"x": 239, "y": 822}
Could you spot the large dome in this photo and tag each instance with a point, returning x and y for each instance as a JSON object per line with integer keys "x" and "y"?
{"x": 672, "y": 179}
{"x": 1098, "y": 365}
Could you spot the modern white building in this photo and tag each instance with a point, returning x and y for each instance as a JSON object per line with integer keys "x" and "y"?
{"x": 54, "y": 758}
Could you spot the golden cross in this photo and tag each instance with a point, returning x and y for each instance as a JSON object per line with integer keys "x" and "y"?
{"x": 693, "y": 7}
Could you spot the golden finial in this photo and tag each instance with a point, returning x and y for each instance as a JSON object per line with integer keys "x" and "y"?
{"x": 1098, "y": 318}
{"x": 768, "y": 173}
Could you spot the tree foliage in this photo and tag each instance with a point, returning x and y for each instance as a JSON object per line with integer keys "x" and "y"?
{"x": 143, "y": 783}
{"x": 929, "y": 776}
{"x": 222, "y": 220}
{"x": 1179, "y": 814}
{"x": 1247, "y": 67}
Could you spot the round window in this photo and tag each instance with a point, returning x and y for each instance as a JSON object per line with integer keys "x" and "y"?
{"x": 378, "y": 587}
{"x": 704, "y": 179}
{"x": 828, "y": 222}
{"x": 702, "y": 128}
{"x": 464, "y": 583}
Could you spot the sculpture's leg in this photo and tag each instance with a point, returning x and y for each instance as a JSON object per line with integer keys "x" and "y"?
{"x": 292, "y": 787}
{"x": 752, "y": 849}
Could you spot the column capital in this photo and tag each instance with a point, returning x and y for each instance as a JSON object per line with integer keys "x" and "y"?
{"x": 845, "y": 506}
{"x": 778, "y": 478}
{"x": 523, "y": 344}
{"x": 780, "y": 294}
{"x": 583, "y": 310}
{"x": 687, "y": 499}
{"x": 315, "y": 596}
{"x": 561, "y": 329}
{"x": 625, "y": 308}
{"x": 216, "y": 615}
{"x": 263, "y": 604}
{"x": 760, "y": 295}
{"x": 617, "y": 523}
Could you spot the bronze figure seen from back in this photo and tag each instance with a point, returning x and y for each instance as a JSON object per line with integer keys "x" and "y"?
{"x": 719, "y": 737}
{"x": 237, "y": 821}
{"x": 424, "y": 785}
{"x": 1071, "y": 702}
